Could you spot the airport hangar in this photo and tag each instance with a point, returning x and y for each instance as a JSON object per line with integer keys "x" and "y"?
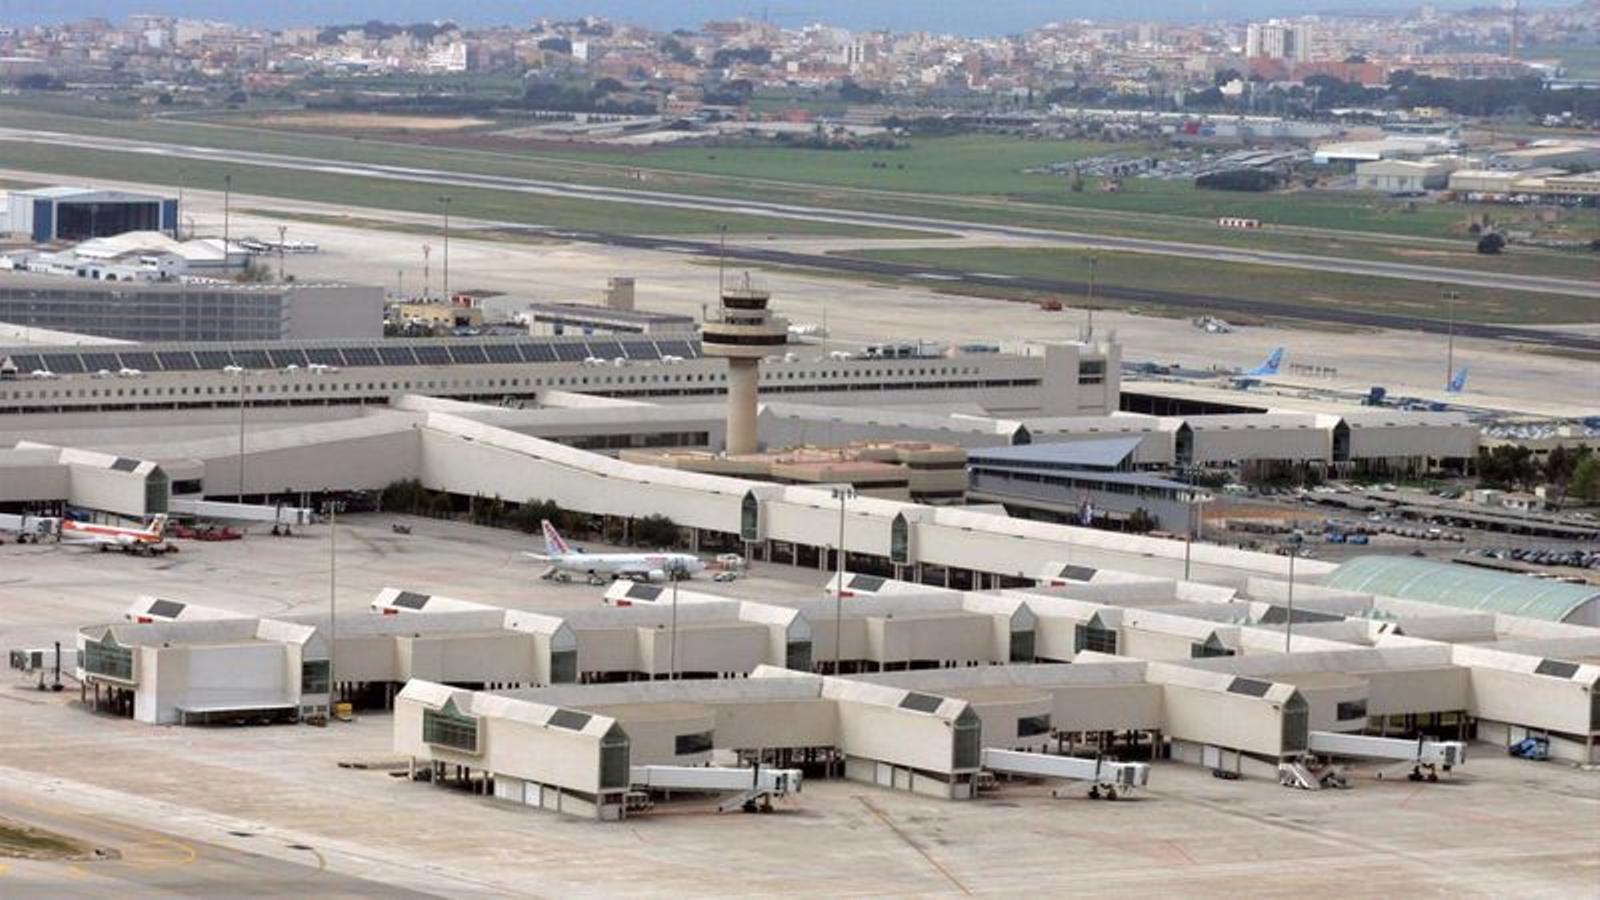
{"x": 926, "y": 677}
{"x": 77, "y": 214}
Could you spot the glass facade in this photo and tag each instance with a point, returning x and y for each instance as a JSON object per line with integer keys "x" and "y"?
{"x": 564, "y": 667}
{"x": 614, "y": 770}
{"x": 1022, "y": 646}
{"x": 798, "y": 656}
{"x": 148, "y": 313}
{"x": 691, "y": 744}
{"x": 1093, "y": 637}
{"x": 449, "y": 727}
{"x": 968, "y": 737}
{"x": 315, "y": 675}
{"x": 108, "y": 658}
{"x": 1296, "y": 725}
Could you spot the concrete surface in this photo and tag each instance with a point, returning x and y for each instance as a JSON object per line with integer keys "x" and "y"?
{"x": 268, "y": 810}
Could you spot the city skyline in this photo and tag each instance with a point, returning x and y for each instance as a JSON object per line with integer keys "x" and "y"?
{"x": 1008, "y": 16}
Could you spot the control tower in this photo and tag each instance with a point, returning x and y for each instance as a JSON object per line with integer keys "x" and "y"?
{"x": 743, "y": 332}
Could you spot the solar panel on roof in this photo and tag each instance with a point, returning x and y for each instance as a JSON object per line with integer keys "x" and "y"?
{"x": 177, "y": 361}
{"x": 213, "y": 359}
{"x": 605, "y": 349}
{"x": 252, "y": 359}
{"x": 397, "y": 356}
{"x": 28, "y": 362}
{"x": 432, "y": 355}
{"x": 95, "y": 362}
{"x": 1555, "y": 668}
{"x": 166, "y": 609}
{"x": 467, "y": 354}
{"x": 410, "y": 600}
{"x": 570, "y": 719}
{"x": 869, "y": 583}
{"x": 144, "y": 362}
{"x": 694, "y": 350}
{"x": 571, "y": 352}
{"x": 325, "y": 356}
{"x": 284, "y": 358}
{"x": 502, "y": 353}
{"x": 361, "y": 356}
{"x": 124, "y": 464}
{"x": 643, "y": 592}
{"x": 923, "y": 703}
{"x": 63, "y": 363}
{"x": 675, "y": 348}
{"x": 640, "y": 350}
{"x": 536, "y": 353}
{"x": 1250, "y": 687}
{"x": 1077, "y": 573}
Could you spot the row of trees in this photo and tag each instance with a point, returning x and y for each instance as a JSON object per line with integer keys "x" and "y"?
{"x": 1574, "y": 474}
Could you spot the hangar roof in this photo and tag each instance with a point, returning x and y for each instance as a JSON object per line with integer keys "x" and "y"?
{"x": 1462, "y": 587}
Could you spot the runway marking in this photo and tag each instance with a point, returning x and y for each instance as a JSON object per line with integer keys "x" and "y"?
{"x": 889, "y": 823}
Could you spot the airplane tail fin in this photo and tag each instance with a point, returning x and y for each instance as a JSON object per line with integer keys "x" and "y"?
{"x": 1270, "y": 366}
{"x": 157, "y": 526}
{"x": 1458, "y": 382}
{"x": 554, "y": 543}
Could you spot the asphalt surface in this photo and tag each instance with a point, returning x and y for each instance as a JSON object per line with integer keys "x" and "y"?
{"x": 1437, "y": 274}
{"x": 1197, "y": 303}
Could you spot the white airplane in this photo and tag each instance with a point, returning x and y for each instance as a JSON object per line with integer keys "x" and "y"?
{"x": 113, "y": 537}
{"x": 597, "y": 567}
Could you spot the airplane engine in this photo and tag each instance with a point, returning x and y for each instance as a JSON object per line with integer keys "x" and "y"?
{"x": 655, "y": 575}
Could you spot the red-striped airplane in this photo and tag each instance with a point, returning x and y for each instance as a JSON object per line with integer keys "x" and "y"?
{"x": 108, "y": 537}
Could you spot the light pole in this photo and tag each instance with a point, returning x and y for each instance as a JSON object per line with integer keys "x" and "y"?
{"x": 1089, "y": 336}
{"x": 241, "y": 372}
{"x": 427, "y": 276}
{"x": 227, "y": 210}
{"x": 1450, "y": 347}
{"x": 333, "y": 593}
{"x": 445, "y": 200}
{"x": 1288, "y": 622}
{"x": 676, "y": 574}
{"x": 842, "y": 494}
{"x": 282, "y": 230}
{"x": 722, "y": 255}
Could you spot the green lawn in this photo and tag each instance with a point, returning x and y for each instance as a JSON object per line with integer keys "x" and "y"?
{"x": 1268, "y": 283}
{"x": 405, "y": 196}
{"x": 1580, "y": 60}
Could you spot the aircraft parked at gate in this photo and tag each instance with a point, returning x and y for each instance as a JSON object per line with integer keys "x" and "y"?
{"x": 114, "y": 537}
{"x": 565, "y": 561}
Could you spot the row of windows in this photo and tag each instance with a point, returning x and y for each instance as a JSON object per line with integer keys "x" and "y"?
{"x": 324, "y": 387}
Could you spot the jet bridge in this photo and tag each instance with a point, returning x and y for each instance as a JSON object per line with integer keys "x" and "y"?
{"x": 1425, "y": 757}
{"x": 749, "y": 789}
{"x": 1106, "y": 777}
{"x": 278, "y": 516}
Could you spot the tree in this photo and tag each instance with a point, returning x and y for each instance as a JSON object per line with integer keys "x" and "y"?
{"x": 1507, "y": 466}
{"x": 1140, "y": 521}
{"x": 253, "y": 273}
{"x": 1491, "y": 244}
{"x": 1585, "y": 483}
{"x": 655, "y": 531}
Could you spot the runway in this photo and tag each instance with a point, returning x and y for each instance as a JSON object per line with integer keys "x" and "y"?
{"x": 1198, "y": 303}
{"x": 1407, "y": 271}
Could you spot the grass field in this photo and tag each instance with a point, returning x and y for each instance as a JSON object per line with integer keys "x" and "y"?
{"x": 975, "y": 179}
{"x": 1268, "y": 283}
{"x": 1580, "y": 60}
{"x": 406, "y": 196}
